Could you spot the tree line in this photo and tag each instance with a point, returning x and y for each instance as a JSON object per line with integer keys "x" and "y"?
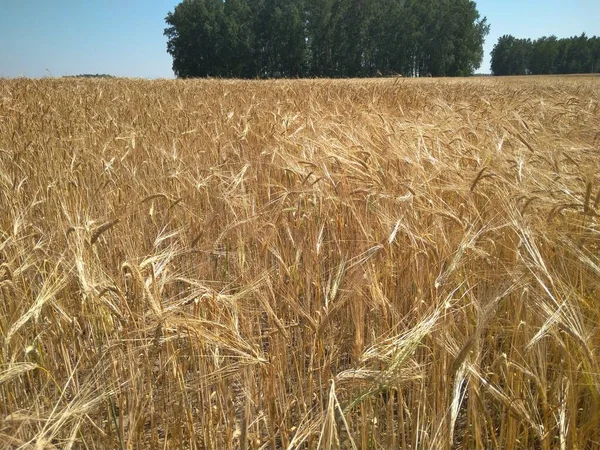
{"x": 325, "y": 38}
{"x": 546, "y": 55}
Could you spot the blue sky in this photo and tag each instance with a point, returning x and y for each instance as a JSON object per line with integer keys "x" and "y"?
{"x": 124, "y": 37}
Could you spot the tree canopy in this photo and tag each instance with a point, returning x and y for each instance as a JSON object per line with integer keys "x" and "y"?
{"x": 546, "y": 55}
{"x": 325, "y": 38}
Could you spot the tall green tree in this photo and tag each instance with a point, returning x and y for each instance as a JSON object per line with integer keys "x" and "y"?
{"x": 239, "y": 46}
{"x": 595, "y": 52}
{"x": 467, "y": 32}
{"x": 546, "y": 55}
{"x": 320, "y": 37}
{"x": 281, "y": 38}
{"x": 386, "y": 30}
{"x": 195, "y": 38}
{"x": 349, "y": 23}
{"x": 511, "y": 56}
{"x": 437, "y": 37}
{"x": 334, "y": 38}
{"x": 292, "y": 39}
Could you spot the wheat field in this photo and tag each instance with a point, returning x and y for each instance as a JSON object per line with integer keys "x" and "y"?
{"x": 356, "y": 264}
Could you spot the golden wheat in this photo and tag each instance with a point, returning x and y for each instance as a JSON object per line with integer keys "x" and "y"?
{"x": 300, "y": 264}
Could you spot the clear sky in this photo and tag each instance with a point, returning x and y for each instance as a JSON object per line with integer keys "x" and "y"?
{"x": 124, "y": 37}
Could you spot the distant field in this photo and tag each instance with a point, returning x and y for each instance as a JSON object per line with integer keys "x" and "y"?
{"x": 371, "y": 264}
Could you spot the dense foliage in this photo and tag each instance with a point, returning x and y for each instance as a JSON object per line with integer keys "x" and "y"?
{"x": 331, "y": 38}
{"x": 546, "y": 55}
